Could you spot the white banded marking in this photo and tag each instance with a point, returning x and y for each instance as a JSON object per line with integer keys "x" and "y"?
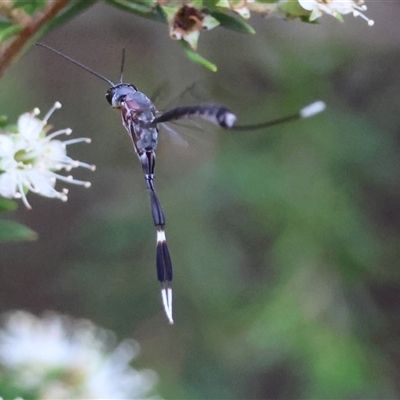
{"x": 312, "y": 109}
{"x": 230, "y": 119}
{"x": 161, "y": 236}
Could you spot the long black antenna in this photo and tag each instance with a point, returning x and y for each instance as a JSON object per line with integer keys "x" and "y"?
{"x": 122, "y": 64}
{"x": 77, "y": 63}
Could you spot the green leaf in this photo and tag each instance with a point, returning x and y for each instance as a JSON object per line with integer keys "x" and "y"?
{"x": 142, "y": 10}
{"x": 7, "y": 205}
{"x": 196, "y": 57}
{"x": 30, "y": 6}
{"x": 211, "y": 3}
{"x": 306, "y": 18}
{"x": 3, "y": 121}
{"x": 233, "y": 23}
{"x": 160, "y": 14}
{"x": 10, "y": 230}
{"x": 197, "y": 4}
{"x": 168, "y": 11}
{"x": 7, "y": 30}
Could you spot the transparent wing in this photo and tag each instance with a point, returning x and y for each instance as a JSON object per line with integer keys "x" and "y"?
{"x": 172, "y": 135}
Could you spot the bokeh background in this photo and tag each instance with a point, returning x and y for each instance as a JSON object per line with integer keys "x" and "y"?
{"x": 285, "y": 243}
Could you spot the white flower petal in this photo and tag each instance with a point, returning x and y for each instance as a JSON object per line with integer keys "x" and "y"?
{"x": 29, "y": 126}
{"x": 8, "y": 184}
{"x": 56, "y": 152}
{"x": 42, "y": 182}
{"x": 209, "y": 22}
{"x": 243, "y": 12}
{"x": 6, "y": 146}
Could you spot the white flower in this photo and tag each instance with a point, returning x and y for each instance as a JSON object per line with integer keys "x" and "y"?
{"x": 336, "y": 8}
{"x": 65, "y": 359}
{"x": 29, "y": 159}
{"x": 186, "y": 21}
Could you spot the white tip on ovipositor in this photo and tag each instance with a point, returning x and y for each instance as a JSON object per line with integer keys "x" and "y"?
{"x": 166, "y": 295}
{"x": 312, "y": 109}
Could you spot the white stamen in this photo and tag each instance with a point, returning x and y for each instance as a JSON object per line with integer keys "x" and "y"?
{"x": 56, "y": 106}
{"x": 66, "y": 131}
{"x": 370, "y": 22}
{"x": 23, "y": 196}
{"x": 78, "y": 140}
{"x": 312, "y": 109}
{"x": 161, "y": 236}
{"x": 166, "y": 295}
{"x": 70, "y": 179}
{"x": 84, "y": 165}
{"x": 30, "y": 187}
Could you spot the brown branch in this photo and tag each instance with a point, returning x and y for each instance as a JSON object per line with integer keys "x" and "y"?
{"x": 16, "y": 46}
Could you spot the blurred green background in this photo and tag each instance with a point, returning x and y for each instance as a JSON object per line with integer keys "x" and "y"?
{"x": 285, "y": 243}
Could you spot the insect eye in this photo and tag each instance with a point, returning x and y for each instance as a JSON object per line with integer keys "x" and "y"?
{"x": 114, "y": 100}
{"x": 109, "y": 97}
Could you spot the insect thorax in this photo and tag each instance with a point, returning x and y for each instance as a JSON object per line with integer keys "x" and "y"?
{"x": 138, "y": 112}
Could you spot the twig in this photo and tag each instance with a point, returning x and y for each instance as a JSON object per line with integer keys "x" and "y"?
{"x": 16, "y": 46}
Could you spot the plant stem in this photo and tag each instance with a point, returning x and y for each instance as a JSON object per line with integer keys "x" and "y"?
{"x": 16, "y": 46}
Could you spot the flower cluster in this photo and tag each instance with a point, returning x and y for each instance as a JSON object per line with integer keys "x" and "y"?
{"x": 187, "y": 18}
{"x": 60, "y": 358}
{"x": 30, "y": 159}
{"x": 336, "y": 8}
